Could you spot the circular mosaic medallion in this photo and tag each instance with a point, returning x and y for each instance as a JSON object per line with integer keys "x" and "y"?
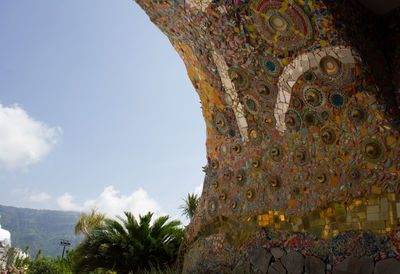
{"x": 337, "y": 99}
{"x": 250, "y": 193}
{"x": 239, "y": 78}
{"x": 212, "y": 207}
{"x": 328, "y": 136}
{"x": 221, "y": 123}
{"x": 234, "y": 204}
{"x": 300, "y": 156}
{"x": 266, "y": 90}
{"x": 241, "y": 177}
{"x": 256, "y": 163}
{"x": 276, "y": 152}
{"x": 278, "y": 22}
{"x": 237, "y": 148}
{"x": 308, "y": 76}
{"x": 310, "y": 118}
{"x": 271, "y": 66}
{"x": 227, "y": 175}
{"x": 214, "y": 184}
{"x": 293, "y": 120}
{"x": 334, "y": 72}
{"x": 321, "y": 177}
{"x": 251, "y": 104}
{"x": 268, "y": 120}
{"x": 214, "y": 164}
{"x": 354, "y": 175}
{"x": 282, "y": 24}
{"x": 255, "y": 135}
{"x": 296, "y": 103}
{"x": 330, "y": 66}
{"x": 274, "y": 181}
{"x": 224, "y": 149}
{"x": 223, "y": 195}
{"x": 357, "y": 114}
{"x": 373, "y": 150}
{"x": 313, "y": 97}
{"x": 325, "y": 115}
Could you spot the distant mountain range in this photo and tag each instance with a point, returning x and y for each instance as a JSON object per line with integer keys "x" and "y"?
{"x": 39, "y": 229}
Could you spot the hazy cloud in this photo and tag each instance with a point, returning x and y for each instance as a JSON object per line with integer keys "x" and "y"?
{"x": 66, "y": 202}
{"x": 112, "y": 203}
{"x": 23, "y": 140}
{"x": 39, "y": 197}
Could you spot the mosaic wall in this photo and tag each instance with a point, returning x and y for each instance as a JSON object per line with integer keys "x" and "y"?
{"x": 300, "y": 100}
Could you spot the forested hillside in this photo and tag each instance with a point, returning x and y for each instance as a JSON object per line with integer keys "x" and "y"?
{"x": 39, "y": 229}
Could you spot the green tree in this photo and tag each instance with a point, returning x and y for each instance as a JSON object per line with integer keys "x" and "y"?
{"x": 43, "y": 265}
{"x": 190, "y": 206}
{"x": 127, "y": 245}
{"x": 88, "y": 222}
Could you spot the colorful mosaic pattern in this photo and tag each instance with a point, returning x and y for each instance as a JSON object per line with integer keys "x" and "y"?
{"x": 300, "y": 106}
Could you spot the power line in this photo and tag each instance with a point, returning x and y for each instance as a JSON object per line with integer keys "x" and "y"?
{"x": 64, "y": 243}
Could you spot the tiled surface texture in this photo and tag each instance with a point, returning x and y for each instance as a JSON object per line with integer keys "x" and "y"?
{"x": 300, "y": 99}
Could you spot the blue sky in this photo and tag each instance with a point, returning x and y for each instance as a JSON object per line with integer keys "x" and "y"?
{"x": 96, "y": 109}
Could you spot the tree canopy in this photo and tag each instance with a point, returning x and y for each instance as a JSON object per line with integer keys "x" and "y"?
{"x": 190, "y": 206}
{"x": 129, "y": 245}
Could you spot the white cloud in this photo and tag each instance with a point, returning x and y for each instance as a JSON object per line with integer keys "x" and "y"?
{"x": 198, "y": 189}
{"x": 112, "y": 203}
{"x": 23, "y": 140}
{"x": 39, "y": 197}
{"x": 65, "y": 202}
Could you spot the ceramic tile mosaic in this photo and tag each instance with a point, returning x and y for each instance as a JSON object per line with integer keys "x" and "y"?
{"x": 300, "y": 102}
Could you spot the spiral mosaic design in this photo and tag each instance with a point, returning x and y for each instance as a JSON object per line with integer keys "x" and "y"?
{"x": 283, "y": 25}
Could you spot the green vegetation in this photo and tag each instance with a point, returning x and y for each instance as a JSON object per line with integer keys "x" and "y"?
{"x": 129, "y": 246}
{"x": 39, "y": 229}
{"x": 87, "y": 223}
{"x": 124, "y": 245}
{"x": 190, "y": 206}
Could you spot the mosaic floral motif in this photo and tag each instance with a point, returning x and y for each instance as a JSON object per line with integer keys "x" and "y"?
{"x": 283, "y": 25}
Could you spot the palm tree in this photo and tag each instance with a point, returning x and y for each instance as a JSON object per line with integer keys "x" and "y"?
{"x": 190, "y": 206}
{"x": 88, "y": 222}
{"x": 126, "y": 245}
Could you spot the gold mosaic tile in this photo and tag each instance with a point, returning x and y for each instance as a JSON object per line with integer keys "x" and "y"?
{"x": 379, "y": 214}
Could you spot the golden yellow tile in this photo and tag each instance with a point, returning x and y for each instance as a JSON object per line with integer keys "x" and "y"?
{"x": 317, "y": 222}
{"x": 340, "y": 210}
{"x": 372, "y": 217}
{"x": 391, "y": 196}
{"x": 398, "y": 209}
{"x": 376, "y": 190}
{"x": 390, "y": 140}
{"x": 372, "y": 209}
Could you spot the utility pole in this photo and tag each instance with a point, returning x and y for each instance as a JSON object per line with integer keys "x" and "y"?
{"x": 64, "y": 243}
